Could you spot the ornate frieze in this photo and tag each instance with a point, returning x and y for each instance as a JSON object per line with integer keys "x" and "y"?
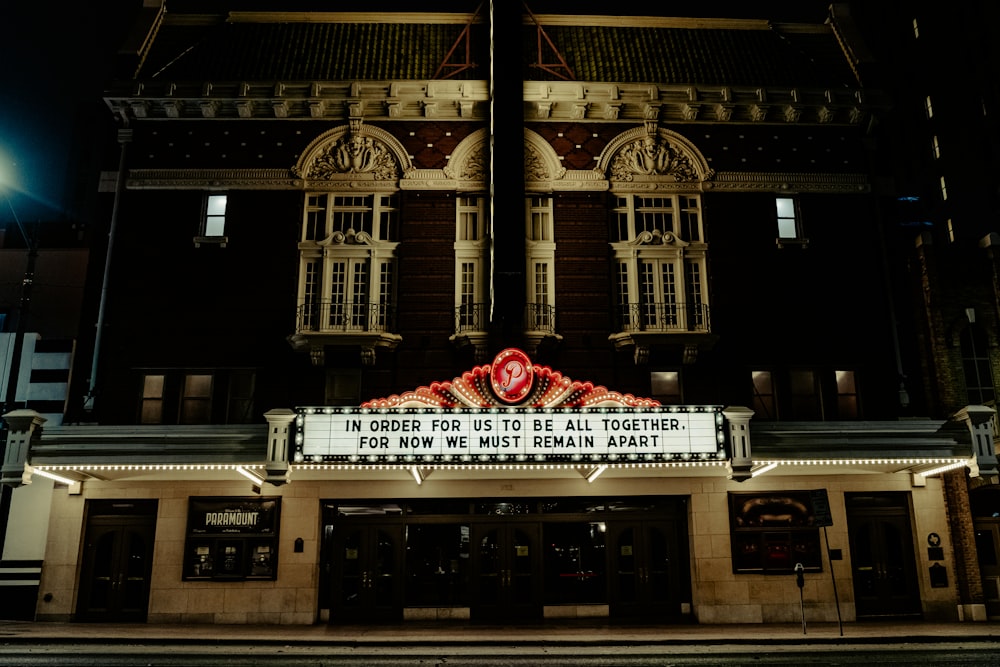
{"x": 651, "y": 156}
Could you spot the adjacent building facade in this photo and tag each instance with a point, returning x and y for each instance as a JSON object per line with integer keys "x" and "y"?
{"x": 604, "y": 320}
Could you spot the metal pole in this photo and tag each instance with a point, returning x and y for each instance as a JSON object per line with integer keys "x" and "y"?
{"x": 833, "y": 578}
{"x": 124, "y": 138}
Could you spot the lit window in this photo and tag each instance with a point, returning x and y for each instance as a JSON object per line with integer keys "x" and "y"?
{"x": 928, "y": 107}
{"x": 152, "y": 400}
{"x": 764, "y": 404}
{"x": 471, "y": 262}
{"x": 196, "y": 399}
{"x": 789, "y": 229}
{"x": 540, "y": 250}
{"x": 916, "y": 29}
{"x": 976, "y": 365}
{"x": 936, "y": 147}
{"x": 215, "y": 215}
{"x": 666, "y": 387}
{"x": 944, "y": 190}
{"x": 661, "y": 272}
{"x": 951, "y": 231}
{"x": 847, "y": 395}
{"x": 213, "y": 221}
{"x": 347, "y": 258}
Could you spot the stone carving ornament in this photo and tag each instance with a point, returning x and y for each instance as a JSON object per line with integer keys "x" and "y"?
{"x": 354, "y": 154}
{"x": 652, "y": 156}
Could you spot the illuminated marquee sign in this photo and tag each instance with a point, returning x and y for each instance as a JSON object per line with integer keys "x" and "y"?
{"x": 601, "y": 433}
{"x": 510, "y": 410}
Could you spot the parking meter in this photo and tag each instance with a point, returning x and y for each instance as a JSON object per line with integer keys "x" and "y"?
{"x": 800, "y": 580}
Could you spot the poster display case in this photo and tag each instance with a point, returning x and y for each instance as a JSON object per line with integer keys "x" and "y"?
{"x": 232, "y": 538}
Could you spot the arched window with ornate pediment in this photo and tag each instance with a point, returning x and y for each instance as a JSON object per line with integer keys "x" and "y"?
{"x": 348, "y": 242}
{"x": 657, "y": 236}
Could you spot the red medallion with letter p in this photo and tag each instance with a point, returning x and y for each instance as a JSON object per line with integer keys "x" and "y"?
{"x": 512, "y": 375}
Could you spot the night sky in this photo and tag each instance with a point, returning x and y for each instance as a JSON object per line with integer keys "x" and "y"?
{"x": 53, "y": 56}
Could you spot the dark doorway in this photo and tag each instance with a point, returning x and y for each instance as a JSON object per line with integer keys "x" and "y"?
{"x": 506, "y": 567}
{"x": 986, "y": 523}
{"x": 884, "y": 568}
{"x": 367, "y": 576}
{"x": 117, "y": 561}
{"x": 645, "y": 569}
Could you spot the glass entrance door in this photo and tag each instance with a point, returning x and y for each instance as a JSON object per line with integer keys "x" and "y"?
{"x": 116, "y": 566}
{"x": 884, "y": 569}
{"x": 988, "y": 549}
{"x": 367, "y": 583}
{"x": 506, "y": 572}
{"x": 645, "y": 569}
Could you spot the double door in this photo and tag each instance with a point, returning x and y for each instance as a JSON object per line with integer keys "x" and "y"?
{"x": 116, "y": 568}
{"x": 506, "y": 572}
{"x": 884, "y": 568}
{"x": 645, "y": 564}
{"x": 367, "y": 581}
{"x": 988, "y": 550}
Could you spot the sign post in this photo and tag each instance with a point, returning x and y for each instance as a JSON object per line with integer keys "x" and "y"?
{"x": 823, "y": 517}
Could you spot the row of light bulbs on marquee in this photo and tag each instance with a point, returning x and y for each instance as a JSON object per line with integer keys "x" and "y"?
{"x": 943, "y": 465}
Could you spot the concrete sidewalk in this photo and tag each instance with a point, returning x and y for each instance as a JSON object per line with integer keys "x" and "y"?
{"x": 554, "y": 633}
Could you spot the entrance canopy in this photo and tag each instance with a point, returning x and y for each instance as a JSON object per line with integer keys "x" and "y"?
{"x": 509, "y": 419}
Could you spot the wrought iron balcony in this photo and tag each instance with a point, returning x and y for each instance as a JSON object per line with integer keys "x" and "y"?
{"x": 670, "y": 317}
{"x": 472, "y": 317}
{"x": 333, "y": 317}
{"x": 540, "y": 317}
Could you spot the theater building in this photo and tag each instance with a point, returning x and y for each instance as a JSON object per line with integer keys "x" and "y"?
{"x": 600, "y": 321}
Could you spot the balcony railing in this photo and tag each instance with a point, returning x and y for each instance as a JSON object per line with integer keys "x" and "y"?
{"x": 472, "y": 317}
{"x": 540, "y": 317}
{"x": 475, "y": 317}
{"x": 664, "y": 317}
{"x": 346, "y": 317}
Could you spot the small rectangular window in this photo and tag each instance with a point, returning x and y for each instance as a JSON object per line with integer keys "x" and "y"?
{"x": 764, "y": 404}
{"x": 213, "y": 221}
{"x": 241, "y": 389}
{"x": 343, "y": 386}
{"x": 789, "y": 222}
{"x": 936, "y": 147}
{"x": 196, "y": 399}
{"x": 944, "y": 190}
{"x": 805, "y": 395}
{"x": 847, "y": 395}
{"x": 666, "y": 387}
{"x": 929, "y": 107}
{"x": 152, "y": 400}
{"x": 540, "y": 218}
{"x": 215, "y": 215}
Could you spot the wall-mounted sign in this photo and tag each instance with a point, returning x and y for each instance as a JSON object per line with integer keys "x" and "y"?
{"x": 232, "y": 538}
{"x": 353, "y": 434}
{"x": 509, "y": 410}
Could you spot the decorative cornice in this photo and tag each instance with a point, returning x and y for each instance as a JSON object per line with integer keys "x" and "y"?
{"x": 469, "y": 101}
{"x": 436, "y": 179}
{"x": 790, "y": 182}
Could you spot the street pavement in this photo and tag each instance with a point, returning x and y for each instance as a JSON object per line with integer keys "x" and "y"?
{"x": 546, "y": 633}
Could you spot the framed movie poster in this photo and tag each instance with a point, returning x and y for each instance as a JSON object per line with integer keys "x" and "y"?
{"x": 232, "y": 538}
